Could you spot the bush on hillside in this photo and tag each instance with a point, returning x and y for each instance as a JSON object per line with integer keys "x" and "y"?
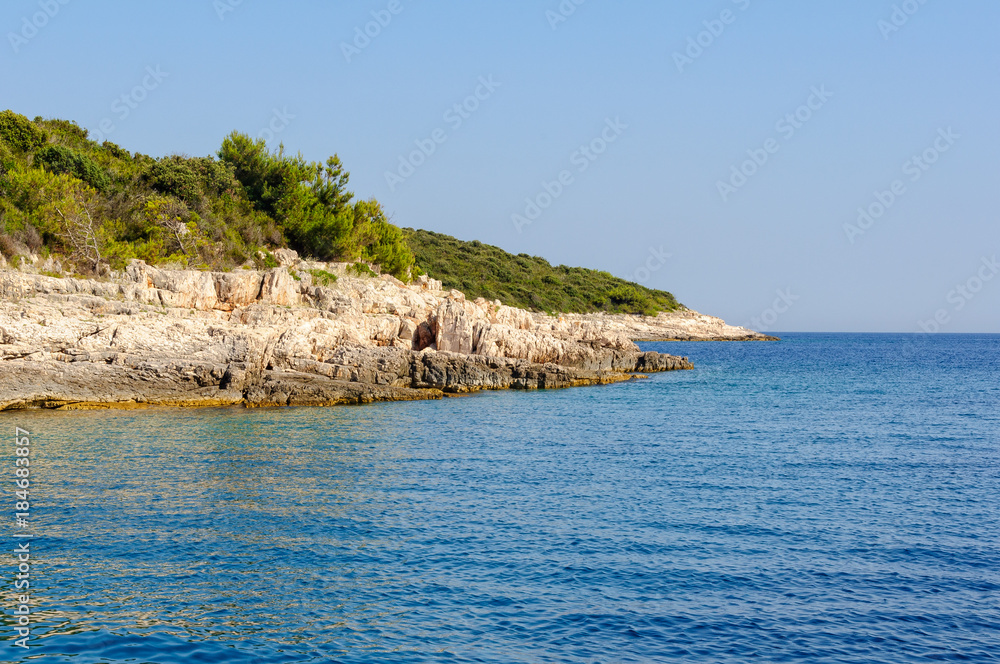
{"x": 20, "y": 133}
{"x": 59, "y": 159}
{"x": 480, "y": 270}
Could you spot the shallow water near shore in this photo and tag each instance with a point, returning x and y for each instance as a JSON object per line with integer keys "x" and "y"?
{"x": 822, "y": 498}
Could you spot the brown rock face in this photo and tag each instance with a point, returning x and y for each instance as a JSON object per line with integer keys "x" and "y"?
{"x": 154, "y": 336}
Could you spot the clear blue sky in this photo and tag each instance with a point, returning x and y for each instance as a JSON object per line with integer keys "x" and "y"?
{"x": 680, "y": 126}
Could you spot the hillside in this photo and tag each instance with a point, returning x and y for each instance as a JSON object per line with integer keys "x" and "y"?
{"x": 96, "y": 206}
{"x": 529, "y": 282}
{"x": 93, "y": 207}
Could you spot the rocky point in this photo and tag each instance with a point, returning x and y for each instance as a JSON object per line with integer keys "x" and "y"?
{"x": 149, "y": 336}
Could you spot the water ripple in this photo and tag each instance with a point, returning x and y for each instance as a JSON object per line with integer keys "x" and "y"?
{"x": 824, "y": 498}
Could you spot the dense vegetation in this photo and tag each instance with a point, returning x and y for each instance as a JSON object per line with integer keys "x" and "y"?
{"x": 481, "y": 270}
{"x": 97, "y": 205}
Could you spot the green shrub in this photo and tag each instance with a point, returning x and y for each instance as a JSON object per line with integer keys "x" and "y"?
{"x": 116, "y": 151}
{"x": 630, "y": 300}
{"x": 118, "y": 253}
{"x": 267, "y": 179}
{"x": 380, "y": 241}
{"x": 175, "y": 177}
{"x": 59, "y": 159}
{"x": 217, "y": 177}
{"x": 20, "y": 133}
{"x": 7, "y": 159}
{"x": 623, "y": 294}
{"x": 316, "y": 230}
{"x": 323, "y": 278}
{"x": 66, "y": 128}
{"x": 360, "y": 269}
{"x": 265, "y": 260}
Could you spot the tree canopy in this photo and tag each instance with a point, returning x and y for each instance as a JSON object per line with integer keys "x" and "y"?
{"x": 99, "y": 204}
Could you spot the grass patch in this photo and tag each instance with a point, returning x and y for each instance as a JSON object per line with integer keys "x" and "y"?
{"x": 360, "y": 269}
{"x": 323, "y": 278}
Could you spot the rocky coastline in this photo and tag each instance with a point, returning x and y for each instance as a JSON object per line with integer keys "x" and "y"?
{"x": 149, "y": 336}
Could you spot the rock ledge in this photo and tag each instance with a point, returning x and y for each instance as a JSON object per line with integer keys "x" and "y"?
{"x": 150, "y": 336}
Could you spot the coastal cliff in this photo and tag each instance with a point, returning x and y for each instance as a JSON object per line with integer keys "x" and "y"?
{"x": 149, "y": 336}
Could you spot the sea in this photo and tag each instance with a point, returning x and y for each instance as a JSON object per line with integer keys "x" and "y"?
{"x": 823, "y": 498}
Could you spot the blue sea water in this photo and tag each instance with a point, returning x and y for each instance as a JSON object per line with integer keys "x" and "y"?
{"x": 825, "y": 498}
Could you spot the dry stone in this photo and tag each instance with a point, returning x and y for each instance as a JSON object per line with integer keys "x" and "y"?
{"x": 150, "y": 335}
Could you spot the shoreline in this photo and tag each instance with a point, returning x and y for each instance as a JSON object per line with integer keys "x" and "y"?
{"x": 759, "y": 337}
{"x": 411, "y": 394}
{"x": 182, "y": 338}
